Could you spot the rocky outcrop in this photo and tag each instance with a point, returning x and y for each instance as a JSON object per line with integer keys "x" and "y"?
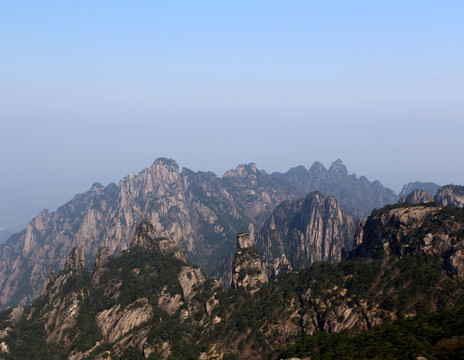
{"x": 407, "y": 189}
{"x": 247, "y": 268}
{"x": 144, "y": 303}
{"x": 451, "y": 195}
{"x": 418, "y": 196}
{"x": 417, "y": 230}
{"x": 63, "y": 308}
{"x": 76, "y": 262}
{"x": 358, "y": 196}
{"x": 115, "y": 322}
{"x": 279, "y": 266}
{"x": 103, "y": 255}
{"x": 388, "y": 230}
{"x": 128, "y": 303}
{"x": 197, "y": 210}
{"x": 305, "y": 231}
{"x": 146, "y": 237}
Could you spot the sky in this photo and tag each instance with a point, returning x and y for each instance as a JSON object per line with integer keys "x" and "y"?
{"x": 91, "y": 91}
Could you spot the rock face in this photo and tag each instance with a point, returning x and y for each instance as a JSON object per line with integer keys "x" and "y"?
{"x": 452, "y": 195}
{"x": 388, "y": 229}
{"x": 305, "y": 231}
{"x": 418, "y": 196}
{"x": 358, "y": 196}
{"x": 148, "y": 303}
{"x": 118, "y": 302}
{"x": 146, "y": 237}
{"x": 431, "y": 187}
{"x": 115, "y": 322}
{"x": 418, "y": 230}
{"x": 63, "y": 309}
{"x": 198, "y": 210}
{"x": 247, "y": 268}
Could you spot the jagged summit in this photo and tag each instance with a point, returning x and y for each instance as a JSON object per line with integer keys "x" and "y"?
{"x": 356, "y": 195}
{"x": 244, "y": 240}
{"x": 243, "y": 170}
{"x": 317, "y": 167}
{"x": 431, "y": 187}
{"x": 97, "y": 186}
{"x": 166, "y": 162}
{"x": 198, "y": 210}
{"x": 146, "y": 237}
{"x": 452, "y": 195}
{"x": 76, "y": 261}
{"x": 418, "y": 196}
{"x": 247, "y": 269}
{"x": 337, "y": 167}
{"x": 306, "y": 230}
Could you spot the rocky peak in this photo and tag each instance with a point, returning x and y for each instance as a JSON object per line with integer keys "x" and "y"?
{"x": 76, "y": 261}
{"x": 103, "y": 255}
{"x": 431, "y": 187}
{"x": 452, "y": 195}
{"x": 97, "y": 187}
{"x": 244, "y": 240}
{"x": 388, "y": 229}
{"x": 40, "y": 222}
{"x": 306, "y": 230}
{"x": 165, "y": 162}
{"x": 49, "y": 281}
{"x": 338, "y": 167}
{"x": 247, "y": 268}
{"x": 278, "y": 266}
{"x": 317, "y": 169}
{"x": 418, "y": 196}
{"x": 242, "y": 171}
{"x": 146, "y": 237}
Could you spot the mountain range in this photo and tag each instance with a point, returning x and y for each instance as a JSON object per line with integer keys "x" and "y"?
{"x": 398, "y": 294}
{"x": 199, "y": 210}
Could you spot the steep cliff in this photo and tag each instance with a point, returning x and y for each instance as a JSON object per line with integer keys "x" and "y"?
{"x": 149, "y": 303}
{"x": 148, "y": 299}
{"x": 452, "y": 195}
{"x": 417, "y": 196}
{"x": 306, "y": 230}
{"x": 415, "y": 230}
{"x": 247, "y": 269}
{"x": 407, "y": 189}
{"x": 198, "y": 210}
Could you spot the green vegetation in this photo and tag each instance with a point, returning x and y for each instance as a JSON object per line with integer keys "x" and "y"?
{"x": 413, "y": 285}
{"x": 437, "y": 336}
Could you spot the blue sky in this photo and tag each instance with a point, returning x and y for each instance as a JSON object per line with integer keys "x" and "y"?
{"x": 93, "y": 90}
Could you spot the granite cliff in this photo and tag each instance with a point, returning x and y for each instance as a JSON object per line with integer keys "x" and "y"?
{"x": 198, "y": 210}
{"x": 417, "y": 196}
{"x": 358, "y": 196}
{"x": 451, "y": 195}
{"x": 149, "y": 303}
{"x": 305, "y": 231}
{"x": 247, "y": 268}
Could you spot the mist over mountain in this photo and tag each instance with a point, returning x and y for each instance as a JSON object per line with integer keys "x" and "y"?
{"x": 431, "y": 187}
{"x": 358, "y": 196}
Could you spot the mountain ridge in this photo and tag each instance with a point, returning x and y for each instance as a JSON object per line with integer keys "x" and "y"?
{"x": 149, "y": 303}
{"x": 199, "y": 210}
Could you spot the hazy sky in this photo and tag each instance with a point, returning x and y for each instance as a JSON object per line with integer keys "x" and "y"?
{"x": 93, "y": 90}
